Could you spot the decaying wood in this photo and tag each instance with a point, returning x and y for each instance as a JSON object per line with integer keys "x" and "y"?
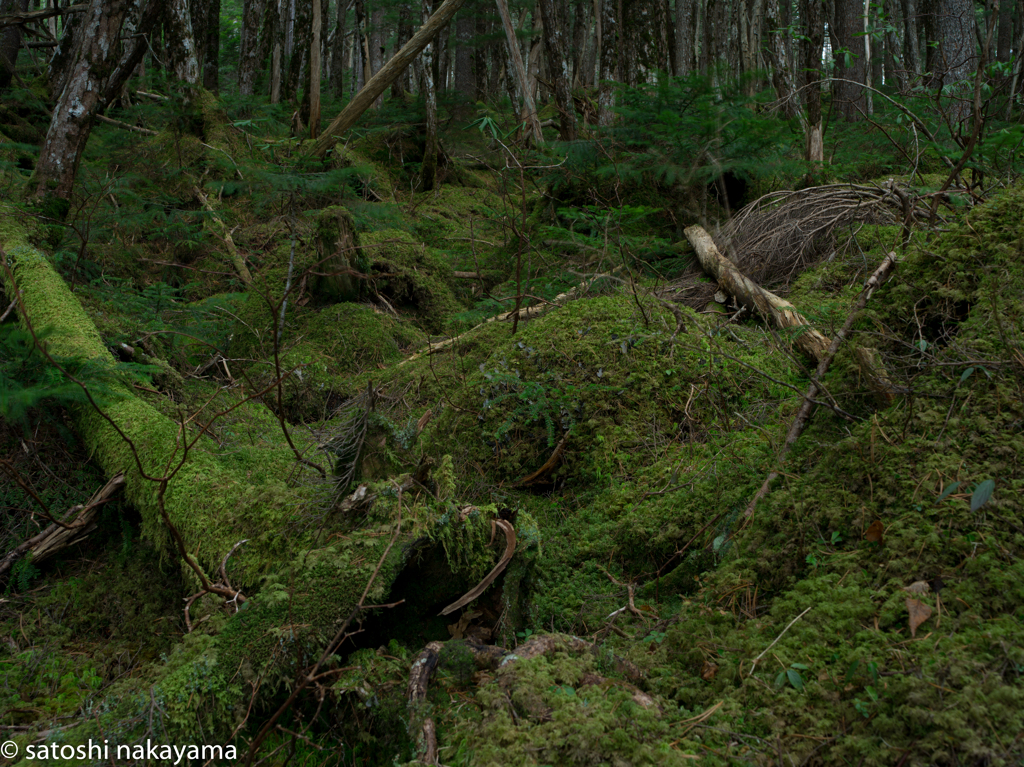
{"x": 236, "y": 257}
{"x": 381, "y": 81}
{"x": 480, "y": 588}
{"x": 782, "y": 313}
{"x": 423, "y": 731}
{"x": 549, "y": 464}
{"x": 56, "y": 537}
{"x": 803, "y": 415}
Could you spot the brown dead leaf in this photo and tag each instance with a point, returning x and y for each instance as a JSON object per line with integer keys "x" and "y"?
{"x": 919, "y": 613}
{"x": 708, "y": 672}
{"x": 919, "y": 587}
{"x": 874, "y": 533}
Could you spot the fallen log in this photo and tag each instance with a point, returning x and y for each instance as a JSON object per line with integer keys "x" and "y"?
{"x": 782, "y": 313}
{"x": 748, "y": 293}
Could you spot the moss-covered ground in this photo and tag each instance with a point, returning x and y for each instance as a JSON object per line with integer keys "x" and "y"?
{"x": 622, "y": 436}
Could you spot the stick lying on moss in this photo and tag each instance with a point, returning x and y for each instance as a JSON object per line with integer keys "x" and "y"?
{"x": 803, "y": 415}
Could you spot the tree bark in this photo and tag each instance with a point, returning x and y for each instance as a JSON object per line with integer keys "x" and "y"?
{"x": 684, "y": 37}
{"x": 428, "y": 89}
{"x": 848, "y": 27}
{"x": 249, "y": 58}
{"x": 556, "y": 44}
{"x": 1005, "y": 39}
{"x": 10, "y": 42}
{"x": 337, "y": 76}
{"x": 314, "y": 73}
{"x": 782, "y": 77}
{"x": 644, "y": 40}
{"x": 517, "y": 61}
{"x": 302, "y": 32}
{"x": 609, "y": 65}
{"x": 813, "y": 16}
{"x": 82, "y": 96}
{"x": 950, "y": 24}
{"x": 375, "y": 38}
{"x": 181, "y": 44}
{"x": 211, "y": 44}
{"x": 911, "y": 41}
{"x": 388, "y": 73}
{"x": 465, "y": 29}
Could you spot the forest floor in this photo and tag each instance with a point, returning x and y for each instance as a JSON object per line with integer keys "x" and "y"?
{"x": 373, "y": 419}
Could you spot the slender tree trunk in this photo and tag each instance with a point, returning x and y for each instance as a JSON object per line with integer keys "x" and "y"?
{"x": 314, "y": 72}
{"x": 609, "y": 62}
{"x": 556, "y": 43}
{"x": 249, "y": 59}
{"x": 465, "y": 84}
{"x": 644, "y": 40}
{"x": 580, "y": 34}
{"x": 848, "y": 26}
{"x": 276, "y": 58}
{"x": 517, "y": 61}
{"x": 73, "y": 116}
{"x": 483, "y": 24}
{"x": 684, "y": 37}
{"x": 375, "y": 45}
{"x": 896, "y": 68}
{"x": 302, "y": 37}
{"x": 911, "y": 41}
{"x": 951, "y": 62}
{"x": 782, "y": 77}
{"x": 1005, "y": 40}
{"x": 812, "y": 13}
{"x": 338, "y": 60}
{"x": 10, "y": 42}
{"x": 211, "y": 56}
{"x": 426, "y": 64}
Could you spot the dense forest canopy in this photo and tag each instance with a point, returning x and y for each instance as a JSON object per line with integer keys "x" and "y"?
{"x": 623, "y": 382}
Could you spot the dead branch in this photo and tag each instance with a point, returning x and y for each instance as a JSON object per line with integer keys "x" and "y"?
{"x": 803, "y": 415}
{"x": 480, "y": 588}
{"x": 125, "y": 126}
{"x": 782, "y": 313}
{"x": 549, "y": 464}
{"x": 236, "y": 258}
{"x": 57, "y": 537}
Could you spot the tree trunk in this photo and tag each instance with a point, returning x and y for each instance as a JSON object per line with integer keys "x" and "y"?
{"x": 950, "y": 24}
{"x": 684, "y": 37}
{"x": 302, "y": 33}
{"x": 465, "y": 29}
{"x": 1005, "y": 39}
{"x": 64, "y": 54}
{"x": 644, "y": 40}
{"x": 10, "y": 42}
{"x": 782, "y": 77}
{"x": 249, "y": 59}
{"x": 911, "y": 41}
{"x": 388, "y": 73}
{"x": 428, "y": 89}
{"x": 896, "y": 68}
{"x": 517, "y": 61}
{"x": 812, "y": 13}
{"x": 181, "y": 44}
{"x": 211, "y": 56}
{"x": 848, "y": 26}
{"x": 375, "y": 38}
{"x": 314, "y": 73}
{"x": 609, "y": 62}
{"x": 82, "y": 96}
{"x": 556, "y": 43}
